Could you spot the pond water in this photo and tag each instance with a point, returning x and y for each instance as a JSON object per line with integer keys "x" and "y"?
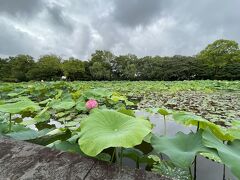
{"x": 206, "y": 169}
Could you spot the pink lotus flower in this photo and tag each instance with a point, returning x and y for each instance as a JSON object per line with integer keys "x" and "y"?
{"x": 91, "y": 103}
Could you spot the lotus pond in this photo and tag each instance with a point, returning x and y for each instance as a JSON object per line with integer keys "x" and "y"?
{"x": 172, "y": 128}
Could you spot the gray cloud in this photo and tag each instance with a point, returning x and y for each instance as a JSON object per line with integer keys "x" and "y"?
{"x": 58, "y": 19}
{"x": 13, "y": 41}
{"x": 20, "y": 7}
{"x": 136, "y": 12}
{"x": 79, "y": 27}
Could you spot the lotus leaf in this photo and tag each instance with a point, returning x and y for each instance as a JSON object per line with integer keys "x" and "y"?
{"x": 63, "y": 104}
{"x": 191, "y": 119}
{"x": 17, "y": 107}
{"x": 28, "y": 134}
{"x": 229, "y": 153}
{"x": 43, "y": 116}
{"x": 106, "y": 128}
{"x": 181, "y": 149}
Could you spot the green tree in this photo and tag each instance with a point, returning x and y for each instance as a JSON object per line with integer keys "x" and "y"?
{"x": 73, "y": 69}
{"x": 218, "y": 54}
{"x": 124, "y": 67}
{"x": 4, "y": 69}
{"x": 99, "y": 71}
{"x": 20, "y": 65}
{"x": 101, "y": 61}
{"x": 47, "y": 68}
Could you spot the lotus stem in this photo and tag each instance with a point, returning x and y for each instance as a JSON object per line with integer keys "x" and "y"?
{"x": 224, "y": 172}
{"x": 165, "y": 125}
{"x": 195, "y": 168}
{"x": 195, "y": 160}
{"x": 137, "y": 163}
{"x": 113, "y": 154}
{"x": 10, "y": 122}
{"x": 224, "y": 168}
{"x": 117, "y": 154}
{"x": 121, "y": 156}
{"x": 197, "y": 126}
{"x": 190, "y": 172}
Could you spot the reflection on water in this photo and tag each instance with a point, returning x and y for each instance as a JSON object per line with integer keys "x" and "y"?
{"x": 206, "y": 169}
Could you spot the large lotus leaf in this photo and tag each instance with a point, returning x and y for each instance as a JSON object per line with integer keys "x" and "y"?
{"x": 191, "y": 119}
{"x": 229, "y": 153}
{"x": 28, "y": 134}
{"x": 63, "y": 104}
{"x": 17, "y": 107}
{"x": 106, "y": 128}
{"x": 181, "y": 149}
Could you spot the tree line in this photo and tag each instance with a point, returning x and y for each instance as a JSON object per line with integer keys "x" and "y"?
{"x": 219, "y": 60}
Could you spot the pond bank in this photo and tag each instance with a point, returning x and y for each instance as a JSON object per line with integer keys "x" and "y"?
{"x": 23, "y": 160}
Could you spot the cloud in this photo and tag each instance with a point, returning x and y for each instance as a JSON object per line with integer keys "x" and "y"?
{"x": 24, "y": 8}
{"x": 14, "y": 41}
{"x": 136, "y": 12}
{"x": 57, "y": 18}
{"x": 79, "y": 27}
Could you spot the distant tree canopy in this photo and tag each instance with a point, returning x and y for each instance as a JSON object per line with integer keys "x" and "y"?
{"x": 219, "y": 54}
{"x": 219, "y": 60}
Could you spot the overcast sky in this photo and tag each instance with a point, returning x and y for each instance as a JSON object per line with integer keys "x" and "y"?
{"x": 142, "y": 27}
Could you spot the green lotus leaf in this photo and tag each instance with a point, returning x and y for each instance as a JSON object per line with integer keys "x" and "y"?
{"x": 66, "y": 146}
{"x": 28, "y": 134}
{"x": 97, "y": 93}
{"x": 63, "y": 104}
{"x": 181, "y": 149}
{"x": 152, "y": 110}
{"x": 164, "y": 111}
{"x": 42, "y": 116}
{"x": 133, "y": 154}
{"x": 128, "y": 112}
{"x": 63, "y": 134}
{"x": 106, "y": 128}
{"x": 229, "y": 153}
{"x": 234, "y": 132}
{"x": 17, "y": 107}
{"x": 81, "y": 105}
{"x": 104, "y": 157}
{"x": 115, "y": 97}
{"x": 4, "y": 127}
{"x": 191, "y": 119}
{"x": 235, "y": 123}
